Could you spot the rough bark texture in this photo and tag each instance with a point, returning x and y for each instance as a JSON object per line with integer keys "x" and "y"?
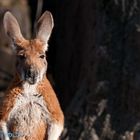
{"x": 96, "y": 68}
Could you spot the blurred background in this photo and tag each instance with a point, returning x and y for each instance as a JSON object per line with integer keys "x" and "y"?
{"x": 94, "y": 63}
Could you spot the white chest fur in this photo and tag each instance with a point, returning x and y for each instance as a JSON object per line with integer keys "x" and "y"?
{"x": 29, "y": 109}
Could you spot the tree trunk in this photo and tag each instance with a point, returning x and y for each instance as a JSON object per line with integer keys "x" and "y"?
{"x": 96, "y": 68}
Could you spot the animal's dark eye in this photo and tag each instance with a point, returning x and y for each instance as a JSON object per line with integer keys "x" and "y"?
{"x": 42, "y": 56}
{"x": 21, "y": 56}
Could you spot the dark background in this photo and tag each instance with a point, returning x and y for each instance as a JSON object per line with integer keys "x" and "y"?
{"x": 94, "y": 65}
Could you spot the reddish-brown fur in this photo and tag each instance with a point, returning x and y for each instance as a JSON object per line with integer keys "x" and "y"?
{"x": 31, "y": 49}
{"x": 44, "y": 88}
{"x": 49, "y": 96}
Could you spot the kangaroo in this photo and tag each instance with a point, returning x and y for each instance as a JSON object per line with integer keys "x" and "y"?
{"x": 30, "y": 109}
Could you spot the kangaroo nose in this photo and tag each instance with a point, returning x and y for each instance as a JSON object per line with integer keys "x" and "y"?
{"x": 31, "y": 75}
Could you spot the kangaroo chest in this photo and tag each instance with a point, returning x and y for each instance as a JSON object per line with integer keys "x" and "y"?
{"x": 29, "y": 110}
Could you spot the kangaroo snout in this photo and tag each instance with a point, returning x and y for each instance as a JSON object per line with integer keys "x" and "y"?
{"x": 31, "y": 75}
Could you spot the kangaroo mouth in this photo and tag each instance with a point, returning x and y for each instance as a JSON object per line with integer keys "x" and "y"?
{"x": 31, "y": 80}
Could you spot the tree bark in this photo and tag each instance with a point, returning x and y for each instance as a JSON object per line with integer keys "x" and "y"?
{"x": 96, "y": 68}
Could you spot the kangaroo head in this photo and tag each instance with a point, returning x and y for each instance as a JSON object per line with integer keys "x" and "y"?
{"x": 31, "y": 64}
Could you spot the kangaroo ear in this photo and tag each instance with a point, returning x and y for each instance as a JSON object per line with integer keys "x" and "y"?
{"x": 12, "y": 27}
{"x": 44, "y": 27}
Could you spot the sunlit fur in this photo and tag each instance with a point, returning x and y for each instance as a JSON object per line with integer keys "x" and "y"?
{"x": 31, "y": 51}
{"x": 30, "y": 109}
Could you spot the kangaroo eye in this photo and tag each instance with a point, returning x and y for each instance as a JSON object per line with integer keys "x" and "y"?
{"x": 42, "y": 56}
{"x": 21, "y": 56}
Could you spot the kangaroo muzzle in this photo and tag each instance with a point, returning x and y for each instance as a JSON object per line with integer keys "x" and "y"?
{"x": 31, "y": 76}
